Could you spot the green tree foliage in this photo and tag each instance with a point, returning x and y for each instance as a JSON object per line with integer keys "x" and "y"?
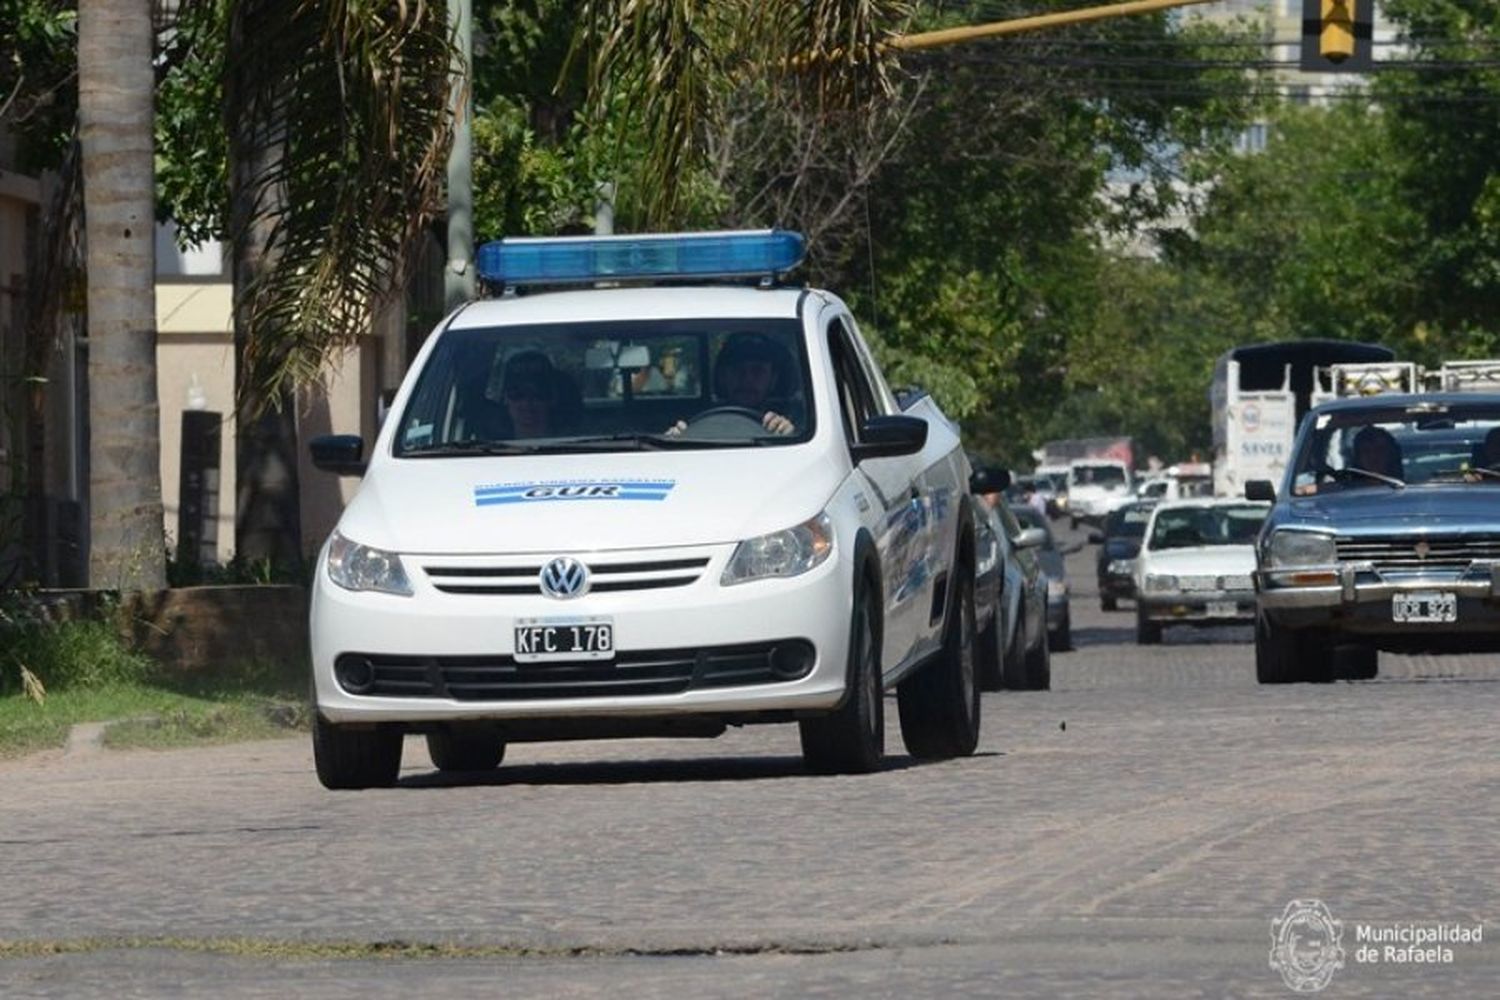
{"x": 1443, "y": 114}
{"x": 39, "y": 76}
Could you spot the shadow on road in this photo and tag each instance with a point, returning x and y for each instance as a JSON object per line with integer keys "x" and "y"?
{"x": 633, "y": 772}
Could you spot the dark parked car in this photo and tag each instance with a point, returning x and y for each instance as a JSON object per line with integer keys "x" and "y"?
{"x": 1385, "y": 536}
{"x": 1059, "y": 614}
{"x": 1119, "y": 543}
{"x": 1010, "y": 593}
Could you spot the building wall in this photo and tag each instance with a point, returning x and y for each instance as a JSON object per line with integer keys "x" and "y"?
{"x": 195, "y": 370}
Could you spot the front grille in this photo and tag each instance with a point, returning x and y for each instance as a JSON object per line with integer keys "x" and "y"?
{"x": 1192, "y": 583}
{"x": 1420, "y": 553}
{"x": 605, "y": 577}
{"x": 630, "y": 673}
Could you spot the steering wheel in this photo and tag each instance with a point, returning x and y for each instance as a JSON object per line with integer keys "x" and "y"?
{"x": 726, "y": 411}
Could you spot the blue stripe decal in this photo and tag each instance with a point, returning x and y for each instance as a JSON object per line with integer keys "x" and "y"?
{"x": 572, "y": 489}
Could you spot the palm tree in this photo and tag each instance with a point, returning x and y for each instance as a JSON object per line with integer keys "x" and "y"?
{"x": 339, "y": 126}
{"x": 681, "y": 63}
{"x": 115, "y": 87}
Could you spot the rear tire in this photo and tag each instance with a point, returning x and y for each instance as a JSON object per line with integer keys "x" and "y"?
{"x": 851, "y": 739}
{"x": 350, "y": 758}
{"x": 939, "y": 704}
{"x": 465, "y": 748}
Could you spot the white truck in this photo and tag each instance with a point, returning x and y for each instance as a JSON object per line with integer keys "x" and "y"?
{"x": 1258, "y": 396}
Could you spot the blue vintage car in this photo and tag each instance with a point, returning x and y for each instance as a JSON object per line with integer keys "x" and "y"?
{"x": 1385, "y": 535}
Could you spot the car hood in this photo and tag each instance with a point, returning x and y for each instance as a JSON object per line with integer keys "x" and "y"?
{"x": 524, "y": 504}
{"x": 1121, "y": 548}
{"x": 1379, "y": 509}
{"x": 1206, "y": 560}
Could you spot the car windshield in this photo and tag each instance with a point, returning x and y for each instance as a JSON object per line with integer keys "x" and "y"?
{"x": 610, "y": 385}
{"x": 1391, "y": 448}
{"x": 1097, "y": 475}
{"x": 1192, "y": 527}
{"x": 1127, "y": 522}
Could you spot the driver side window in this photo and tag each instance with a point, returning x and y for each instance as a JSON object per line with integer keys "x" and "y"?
{"x": 856, "y": 399}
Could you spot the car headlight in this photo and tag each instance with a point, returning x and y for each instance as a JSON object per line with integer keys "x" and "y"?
{"x": 360, "y": 567}
{"x": 789, "y": 552}
{"x": 1301, "y": 548}
{"x": 1122, "y": 567}
{"x": 1057, "y": 588}
{"x": 1160, "y": 582}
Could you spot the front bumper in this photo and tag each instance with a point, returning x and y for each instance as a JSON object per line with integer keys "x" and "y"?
{"x": 449, "y": 656}
{"x": 1357, "y": 598}
{"x": 1204, "y": 607}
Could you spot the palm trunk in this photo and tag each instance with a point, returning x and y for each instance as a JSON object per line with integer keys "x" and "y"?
{"x": 127, "y": 548}
{"x": 268, "y": 511}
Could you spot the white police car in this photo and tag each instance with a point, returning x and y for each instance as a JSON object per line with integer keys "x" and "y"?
{"x": 661, "y": 507}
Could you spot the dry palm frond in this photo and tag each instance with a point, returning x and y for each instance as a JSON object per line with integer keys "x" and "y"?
{"x": 341, "y": 128}
{"x": 31, "y": 686}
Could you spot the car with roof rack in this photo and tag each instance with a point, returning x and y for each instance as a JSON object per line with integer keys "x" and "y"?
{"x": 649, "y": 489}
{"x": 1384, "y": 536}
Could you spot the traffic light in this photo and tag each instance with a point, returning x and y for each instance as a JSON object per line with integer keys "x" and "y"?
{"x": 1336, "y": 30}
{"x": 1336, "y": 35}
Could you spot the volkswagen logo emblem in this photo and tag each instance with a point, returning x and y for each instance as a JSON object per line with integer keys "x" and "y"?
{"x": 564, "y": 578}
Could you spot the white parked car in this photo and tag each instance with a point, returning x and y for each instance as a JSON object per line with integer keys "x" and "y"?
{"x": 645, "y": 510}
{"x": 1195, "y": 565}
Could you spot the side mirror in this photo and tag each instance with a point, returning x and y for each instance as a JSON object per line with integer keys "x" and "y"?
{"x": 1260, "y": 489}
{"x": 1031, "y": 538}
{"x": 1096, "y": 538}
{"x": 884, "y": 437}
{"x": 341, "y": 454}
{"x": 989, "y": 479}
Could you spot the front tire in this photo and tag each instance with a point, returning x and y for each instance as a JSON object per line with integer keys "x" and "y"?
{"x": 1108, "y": 603}
{"x": 991, "y": 658}
{"x": 347, "y": 757}
{"x": 1063, "y": 639}
{"x": 851, "y": 739}
{"x": 1287, "y": 656}
{"x": 1147, "y": 632}
{"x": 1037, "y": 670}
{"x": 940, "y": 703}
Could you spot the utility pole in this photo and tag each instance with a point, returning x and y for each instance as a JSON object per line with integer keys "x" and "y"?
{"x": 459, "y": 285}
{"x": 1021, "y": 25}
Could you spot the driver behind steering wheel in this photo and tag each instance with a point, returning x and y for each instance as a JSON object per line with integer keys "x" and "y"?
{"x": 750, "y": 371}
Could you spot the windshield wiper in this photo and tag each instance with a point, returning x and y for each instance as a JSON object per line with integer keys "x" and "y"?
{"x": 467, "y": 448}
{"x": 631, "y": 440}
{"x": 1379, "y": 477}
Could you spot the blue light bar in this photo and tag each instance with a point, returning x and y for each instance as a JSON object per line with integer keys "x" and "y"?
{"x": 582, "y": 259}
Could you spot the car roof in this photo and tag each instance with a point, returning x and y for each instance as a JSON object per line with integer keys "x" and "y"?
{"x": 634, "y": 303}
